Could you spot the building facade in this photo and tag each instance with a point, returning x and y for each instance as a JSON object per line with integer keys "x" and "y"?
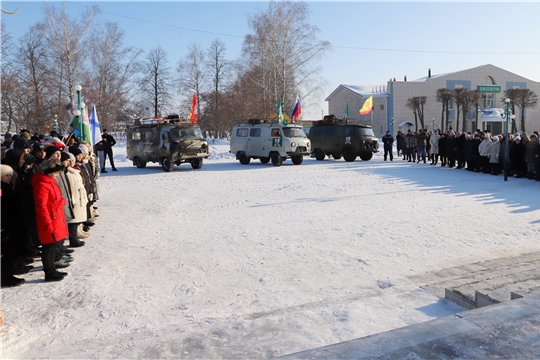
{"x": 390, "y": 111}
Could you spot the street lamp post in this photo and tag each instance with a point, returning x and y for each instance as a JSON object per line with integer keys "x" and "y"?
{"x": 433, "y": 125}
{"x": 507, "y": 114}
{"x": 78, "y": 89}
{"x": 391, "y": 126}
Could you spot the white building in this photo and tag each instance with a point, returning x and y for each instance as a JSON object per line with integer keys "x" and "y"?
{"x": 390, "y": 102}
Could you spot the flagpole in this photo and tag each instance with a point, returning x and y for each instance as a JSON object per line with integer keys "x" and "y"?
{"x": 78, "y": 89}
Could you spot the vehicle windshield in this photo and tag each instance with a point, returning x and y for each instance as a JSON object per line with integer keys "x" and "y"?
{"x": 293, "y": 132}
{"x": 178, "y": 134}
{"x": 365, "y": 131}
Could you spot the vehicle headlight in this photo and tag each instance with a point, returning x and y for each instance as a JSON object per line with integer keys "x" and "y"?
{"x": 293, "y": 144}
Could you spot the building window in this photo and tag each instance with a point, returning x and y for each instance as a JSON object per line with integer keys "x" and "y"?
{"x": 382, "y": 106}
{"x": 458, "y": 86}
{"x": 487, "y": 101}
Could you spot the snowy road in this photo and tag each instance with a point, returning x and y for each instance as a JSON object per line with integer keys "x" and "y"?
{"x": 254, "y": 261}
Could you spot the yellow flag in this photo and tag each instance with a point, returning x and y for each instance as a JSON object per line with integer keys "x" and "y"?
{"x": 367, "y": 107}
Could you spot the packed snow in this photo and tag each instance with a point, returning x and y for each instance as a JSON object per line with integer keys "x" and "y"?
{"x": 256, "y": 261}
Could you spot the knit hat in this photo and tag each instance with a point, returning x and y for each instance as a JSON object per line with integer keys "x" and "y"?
{"x": 71, "y": 157}
{"x": 75, "y": 150}
{"x": 533, "y": 136}
{"x": 6, "y": 169}
{"x": 84, "y": 149}
{"x": 53, "y": 165}
{"x": 49, "y": 150}
{"x": 64, "y": 156}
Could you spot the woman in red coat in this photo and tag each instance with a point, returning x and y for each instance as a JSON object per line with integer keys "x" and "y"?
{"x": 51, "y": 222}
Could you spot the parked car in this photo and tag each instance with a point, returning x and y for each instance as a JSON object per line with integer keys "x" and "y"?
{"x": 339, "y": 138}
{"x": 269, "y": 141}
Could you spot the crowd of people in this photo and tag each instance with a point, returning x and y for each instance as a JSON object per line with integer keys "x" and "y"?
{"x": 480, "y": 151}
{"x": 48, "y": 200}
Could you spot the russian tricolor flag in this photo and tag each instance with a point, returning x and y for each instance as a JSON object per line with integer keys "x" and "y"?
{"x": 297, "y": 110}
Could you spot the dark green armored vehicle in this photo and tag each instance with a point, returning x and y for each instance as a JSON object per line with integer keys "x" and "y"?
{"x": 337, "y": 138}
{"x": 168, "y": 141}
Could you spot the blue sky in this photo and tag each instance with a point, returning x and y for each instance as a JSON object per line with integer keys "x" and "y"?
{"x": 373, "y": 41}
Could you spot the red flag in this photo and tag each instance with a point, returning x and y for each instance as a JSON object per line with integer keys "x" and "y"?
{"x": 193, "y": 116}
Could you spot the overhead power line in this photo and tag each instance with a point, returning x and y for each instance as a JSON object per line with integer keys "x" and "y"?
{"x": 335, "y": 46}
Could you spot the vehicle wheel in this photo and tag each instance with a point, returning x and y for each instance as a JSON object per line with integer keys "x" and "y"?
{"x": 197, "y": 164}
{"x": 349, "y": 155}
{"x": 336, "y": 156}
{"x": 297, "y": 159}
{"x": 140, "y": 164}
{"x": 276, "y": 159}
{"x": 264, "y": 159}
{"x": 366, "y": 156}
{"x": 319, "y": 154}
{"x": 244, "y": 159}
{"x": 167, "y": 165}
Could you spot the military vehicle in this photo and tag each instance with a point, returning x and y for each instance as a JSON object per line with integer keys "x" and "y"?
{"x": 337, "y": 138}
{"x": 269, "y": 141}
{"x": 168, "y": 141}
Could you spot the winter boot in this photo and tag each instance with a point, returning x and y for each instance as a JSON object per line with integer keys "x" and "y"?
{"x": 53, "y": 276}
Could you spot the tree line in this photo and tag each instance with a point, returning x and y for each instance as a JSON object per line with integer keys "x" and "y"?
{"x": 464, "y": 100}
{"x": 279, "y": 60}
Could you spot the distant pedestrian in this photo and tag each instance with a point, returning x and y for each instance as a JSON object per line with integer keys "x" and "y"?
{"x": 388, "y": 141}
{"x": 108, "y": 144}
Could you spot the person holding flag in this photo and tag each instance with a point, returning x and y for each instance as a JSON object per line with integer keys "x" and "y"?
{"x": 297, "y": 110}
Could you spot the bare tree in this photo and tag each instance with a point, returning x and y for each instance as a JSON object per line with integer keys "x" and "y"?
{"x": 35, "y": 103}
{"x": 193, "y": 77}
{"x": 156, "y": 82}
{"x": 68, "y": 43}
{"x": 525, "y": 99}
{"x": 476, "y": 97}
{"x": 283, "y": 51}
{"x": 113, "y": 67}
{"x": 460, "y": 97}
{"x": 219, "y": 70}
{"x": 412, "y": 103}
{"x": 8, "y": 79}
{"x": 466, "y": 104}
{"x": 444, "y": 96}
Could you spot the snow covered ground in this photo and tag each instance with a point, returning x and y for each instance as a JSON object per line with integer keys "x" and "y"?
{"x": 256, "y": 261}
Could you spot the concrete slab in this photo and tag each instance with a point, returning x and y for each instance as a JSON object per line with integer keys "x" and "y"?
{"x": 509, "y": 330}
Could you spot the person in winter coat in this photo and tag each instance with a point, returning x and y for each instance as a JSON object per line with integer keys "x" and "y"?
{"x": 484, "y": 150}
{"x": 388, "y": 140}
{"x": 400, "y": 144}
{"x": 517, "y": 157}
{"x": 11, "y": 228}
{"x": 460, "y": 150}
{"x": 108, "y": 144}
{"x": 434, "y": 147}
{"x": 79, "y": 200}
{"x": 410, "y": 143}
{"x": 421, "y": 143}
{"x": 442, "y": 149}
{"x": 451, "y": 148}
{"x": 51, "y": 222}
{"x": 475, "y": 145}
{"x": 530, "y": 156}
{"x": 494, "y": 156}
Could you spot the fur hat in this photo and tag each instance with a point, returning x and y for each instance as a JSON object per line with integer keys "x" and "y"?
{"x": 49, "y": 150}
{"x": 75, "y": 150}
{"x": 6, "y": 169}
{"x": 517, "y": 138}
{"x": 53, "y": 165}
{"x": 533, "y": 136}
